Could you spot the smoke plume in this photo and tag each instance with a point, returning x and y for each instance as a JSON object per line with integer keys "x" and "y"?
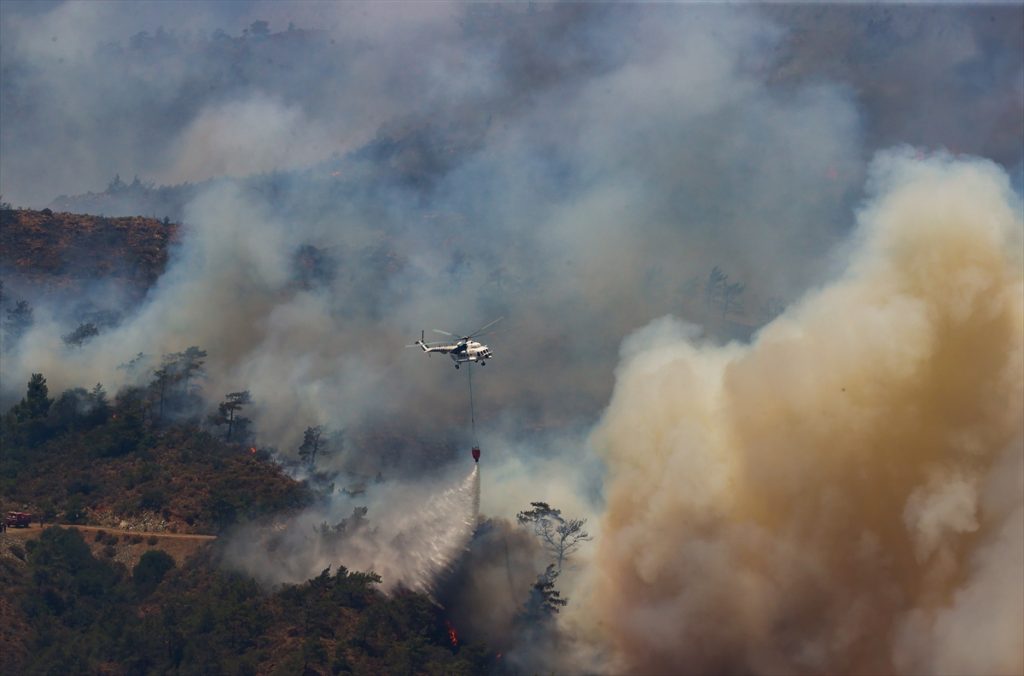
{"x": 846, "y": 492}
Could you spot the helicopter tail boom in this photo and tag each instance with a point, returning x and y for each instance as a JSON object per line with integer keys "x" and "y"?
{"x": 422, "y": 343}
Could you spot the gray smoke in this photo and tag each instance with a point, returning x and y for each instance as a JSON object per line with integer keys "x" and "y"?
{"x": 378, "y": 169}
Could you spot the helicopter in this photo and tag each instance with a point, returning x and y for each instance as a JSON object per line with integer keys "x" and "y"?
{"x": 462, "y": 350}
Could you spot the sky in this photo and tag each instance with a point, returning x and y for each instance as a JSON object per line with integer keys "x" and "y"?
{"x": 580, "y": 170}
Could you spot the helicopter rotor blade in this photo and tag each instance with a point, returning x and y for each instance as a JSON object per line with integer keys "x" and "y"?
{"x": 483, "y": 329}
{"x": 444, "y": 333}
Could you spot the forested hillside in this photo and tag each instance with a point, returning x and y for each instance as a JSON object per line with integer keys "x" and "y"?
{"x": 65, "y": 611}
{"x": 80, "y": 458}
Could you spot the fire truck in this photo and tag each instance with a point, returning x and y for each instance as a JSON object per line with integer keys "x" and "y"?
{"x": 18, "y": 520}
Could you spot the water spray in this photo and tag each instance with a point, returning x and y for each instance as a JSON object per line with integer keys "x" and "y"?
{"x": 437, "y": 534}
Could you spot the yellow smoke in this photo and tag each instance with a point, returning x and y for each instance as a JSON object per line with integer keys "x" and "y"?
{"x": 846, "y": 493}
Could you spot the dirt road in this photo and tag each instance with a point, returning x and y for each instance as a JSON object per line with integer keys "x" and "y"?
{"x": 35, "y": 529}
{"x": 129, "y": 545}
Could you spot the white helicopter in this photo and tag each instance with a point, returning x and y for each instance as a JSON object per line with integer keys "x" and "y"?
{"x": 462, "y": 350}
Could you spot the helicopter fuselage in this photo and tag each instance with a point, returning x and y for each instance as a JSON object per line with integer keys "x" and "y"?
{"x": 461, "y": 351}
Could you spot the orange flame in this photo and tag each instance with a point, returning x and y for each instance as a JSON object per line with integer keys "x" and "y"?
{"x": 452, "y": 635}
{"x": 252, "y": 450}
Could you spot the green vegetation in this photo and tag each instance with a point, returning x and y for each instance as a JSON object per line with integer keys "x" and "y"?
{"x": 80, "y": 457}
{"x": 150, "y": 570}
{"x": 80, "y": 614}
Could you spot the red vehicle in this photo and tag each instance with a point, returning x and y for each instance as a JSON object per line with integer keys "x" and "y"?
{"x": 18, "y": 520}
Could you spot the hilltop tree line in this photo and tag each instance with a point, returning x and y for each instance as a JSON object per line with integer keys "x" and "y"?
{"x": 83, "y": 450}
{"x": 167, "y": 403}
{"x": 172, "y": 394}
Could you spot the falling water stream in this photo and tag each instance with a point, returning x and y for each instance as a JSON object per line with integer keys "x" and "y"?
{"x": 434, "y": 536}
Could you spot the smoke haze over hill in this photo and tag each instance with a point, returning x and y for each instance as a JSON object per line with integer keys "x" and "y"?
{"x": 349, "y": 174}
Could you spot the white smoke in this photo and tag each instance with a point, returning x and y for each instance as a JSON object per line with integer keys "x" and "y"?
{"x": 256, "y": 135}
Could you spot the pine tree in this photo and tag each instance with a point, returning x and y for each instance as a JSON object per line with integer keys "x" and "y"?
{"x": 311, "y": 445}
{"x": 545, "y": 601}
{"x": 82, "y": 334}
{"x": 36, "y": 403}
{"x": 227, "y": 410}
{"x": 560, "y": 536}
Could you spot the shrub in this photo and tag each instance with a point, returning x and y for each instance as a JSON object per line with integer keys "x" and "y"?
{"x": 150, "y": 571}
{"x": 82, "y": 486}
{"x": 47, "y": 511}
{"x": 74, "y": 509}
{"x": 152, "y": 500}
{"x": 152, "y": 540}
{"x": 109, "y": 551}
{"x": 148, "y": 472}
{"x": 100, "y": 535}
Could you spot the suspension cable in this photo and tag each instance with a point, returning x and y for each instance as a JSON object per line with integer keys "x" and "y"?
{"x": 472, "y": 413}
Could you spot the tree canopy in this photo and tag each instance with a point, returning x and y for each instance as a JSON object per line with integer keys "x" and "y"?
{"x": 560, "y": 537}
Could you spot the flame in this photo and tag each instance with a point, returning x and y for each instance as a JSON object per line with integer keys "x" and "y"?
{"x": 252, "y": 449}
{"x": 453, "y": 636}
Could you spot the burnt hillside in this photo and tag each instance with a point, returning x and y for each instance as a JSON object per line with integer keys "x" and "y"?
{"x": 58, "y": 249}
